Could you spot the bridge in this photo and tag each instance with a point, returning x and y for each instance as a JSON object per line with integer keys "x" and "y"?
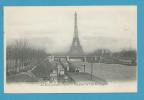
{"x": 78, "y": 58}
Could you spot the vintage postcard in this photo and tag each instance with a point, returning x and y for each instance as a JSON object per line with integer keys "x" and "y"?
{"x": 70, "y": 49}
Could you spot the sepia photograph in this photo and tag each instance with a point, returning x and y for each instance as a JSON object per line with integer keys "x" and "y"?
{"x": 70, "y": 49}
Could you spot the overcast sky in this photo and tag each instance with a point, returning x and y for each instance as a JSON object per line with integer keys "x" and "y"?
{"x": 111, "y": 27}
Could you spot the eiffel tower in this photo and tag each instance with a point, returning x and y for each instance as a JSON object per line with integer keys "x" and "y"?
{"x": 76, "y": 48}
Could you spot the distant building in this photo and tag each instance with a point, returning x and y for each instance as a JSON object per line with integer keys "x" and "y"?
{"x": 60, "y": 69}
{"x": 53, "y": 76}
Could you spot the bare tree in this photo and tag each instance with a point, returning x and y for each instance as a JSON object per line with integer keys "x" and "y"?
{"x": 22, "y": 54}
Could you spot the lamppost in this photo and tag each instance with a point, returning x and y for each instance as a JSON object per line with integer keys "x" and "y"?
{"x": 91, "y": 70}
{"x": 84, "y": 65}
{"x": 91, "y": 60}
{"x": 84, "y": 60}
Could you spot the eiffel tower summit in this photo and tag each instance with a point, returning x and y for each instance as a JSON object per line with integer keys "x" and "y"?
{"x": 76, "y": 48}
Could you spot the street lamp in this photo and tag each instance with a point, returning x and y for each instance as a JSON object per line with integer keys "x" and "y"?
{"x": 84, "y": 65}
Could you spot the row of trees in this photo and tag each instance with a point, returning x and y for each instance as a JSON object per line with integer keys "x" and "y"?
{"x": 122, "y": 57}
{"x": 21, "y": 55}
{"x": 126, "y": 54}
{"x": 129, "y": 53}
